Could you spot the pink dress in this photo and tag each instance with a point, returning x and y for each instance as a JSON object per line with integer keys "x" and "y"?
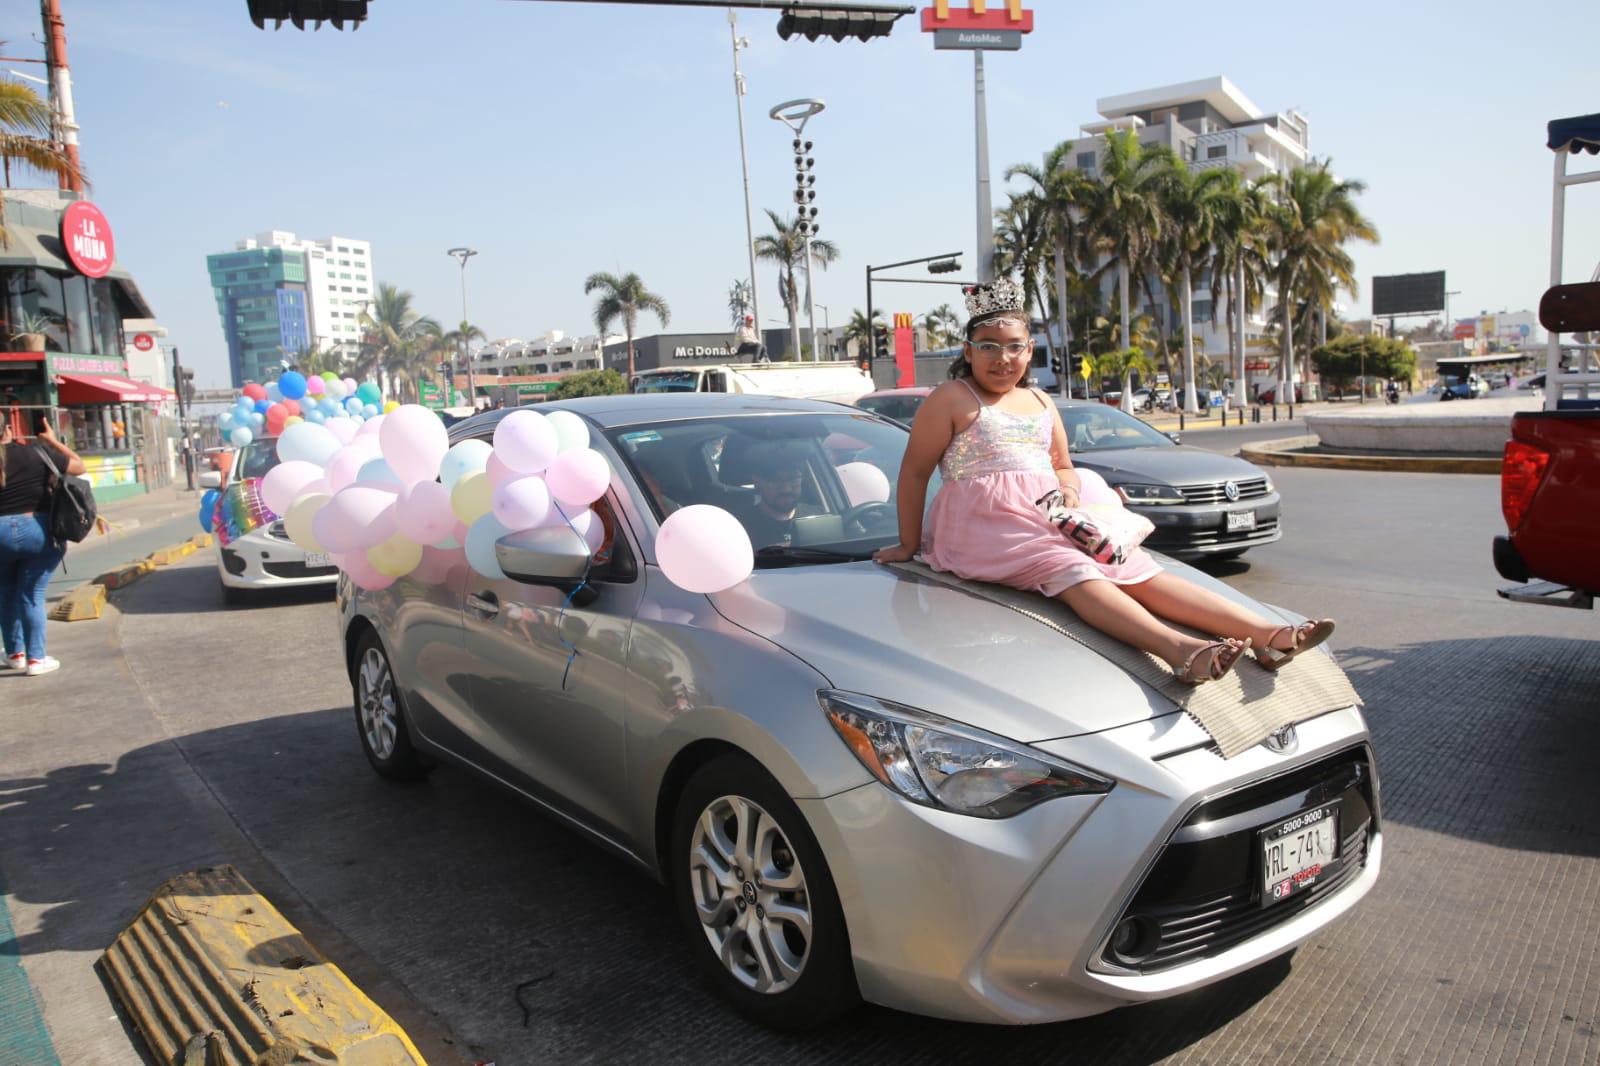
{"x": 984, "y": 524}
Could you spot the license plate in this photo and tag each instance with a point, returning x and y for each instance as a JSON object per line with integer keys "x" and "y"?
{"x": 1241, "y": 520}
{"x": 317, "y": 559}
{"x": 1296, "y": 853}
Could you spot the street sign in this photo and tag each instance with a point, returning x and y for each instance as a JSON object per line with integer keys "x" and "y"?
{"x": 1085, "y": 369}
{"x": 429, "y": 394}
{"x": 86, "y": 236}
{"x": 988, "y": 40}
{"x": 143, "y": 341}
{"x": 537, "y": 388}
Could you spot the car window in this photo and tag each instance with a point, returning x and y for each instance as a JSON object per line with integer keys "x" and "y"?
{"x": 668, "y": 381}
{"x": 259, "y": 457}
{"x": 1096, "y": 427}
{"x": 900, "y": 408}
{"x": 803, "y": 479}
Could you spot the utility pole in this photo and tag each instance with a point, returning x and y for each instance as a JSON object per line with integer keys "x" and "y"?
{"x": 740, "y": 43}
{"x": 179, "y": 386}
{"x": 66, "y": 123}
{"x": 985, "y": 198}
{"x": 463, "y": 254}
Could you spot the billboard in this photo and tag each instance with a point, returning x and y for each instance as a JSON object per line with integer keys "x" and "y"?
{"x": 1407, "y": 294}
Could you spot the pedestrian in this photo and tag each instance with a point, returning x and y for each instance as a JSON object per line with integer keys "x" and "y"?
{"x": 1002, "y": 452}
{"x": 28, "y": 553}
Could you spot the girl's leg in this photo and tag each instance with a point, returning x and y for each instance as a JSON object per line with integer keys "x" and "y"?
{"x": 1176, "y": 600}
{"x": 1110, "y": 608}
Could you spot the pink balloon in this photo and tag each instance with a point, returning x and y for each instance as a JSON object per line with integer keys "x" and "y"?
{"x": 364, "y": 576}
{"x": 315, "y": 385}
{"x": 286, "y": 482}
{"x": 521, "y": 504}
{"x": 414, "y": 441}
{"x": 526, "y": 441}
{"x": 343, "y": 430}
{"x": 499, "y": 473}
{"x": 595, "y": 535}
{"x": 578, "y": 477}
{"x": 348, "y": 461}
{"x": 1095, "y": 489}
{"x": 370, "y": 427}
{"x": 330, "y": 533}
{"x": 350, "y": 386}
{"x": 704, "y": 549}
{"x": 363, "y": 515}
{"x": 423, "y": 512}
{"x": 864, "y": 483}
{"x": 457, "y": 539}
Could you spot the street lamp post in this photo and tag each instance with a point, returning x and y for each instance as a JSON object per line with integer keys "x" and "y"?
{"x": 463, "y": 254}
{"x": 827, "y": 328}
{"x": 740, "y": 43}
{"x": 795, "y": 114}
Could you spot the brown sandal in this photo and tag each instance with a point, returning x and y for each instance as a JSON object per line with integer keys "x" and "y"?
{"x": 1224, "y": 653}
{"x": 1305, "y": 636}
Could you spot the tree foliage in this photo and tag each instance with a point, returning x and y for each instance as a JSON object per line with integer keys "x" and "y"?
{"x": 590, "y": 383}
{"x": 1345, "y": 358}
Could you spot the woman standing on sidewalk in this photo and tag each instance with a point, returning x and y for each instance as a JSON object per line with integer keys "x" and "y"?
{"x": 28, "y": 554}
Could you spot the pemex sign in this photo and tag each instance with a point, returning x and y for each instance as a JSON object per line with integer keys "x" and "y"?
{"x": 983, "y": 26}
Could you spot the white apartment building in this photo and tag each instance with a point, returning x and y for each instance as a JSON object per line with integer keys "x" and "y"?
{"x": 552, "y": 353}
{"x": 1207, "y": 123}
{"x": 339, "y": 282}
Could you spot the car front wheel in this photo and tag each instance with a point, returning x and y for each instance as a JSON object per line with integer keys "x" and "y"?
{"x": 756, "y": 898}
{"x": 380, "y": 721}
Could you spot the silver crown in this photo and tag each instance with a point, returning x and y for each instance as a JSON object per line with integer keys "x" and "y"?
{"x": 996, "y": 297}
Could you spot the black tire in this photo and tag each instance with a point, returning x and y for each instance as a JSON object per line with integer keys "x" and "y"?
{"x": 232, "y": 597}
{"x": 394, "y": 758}
{"x": 825, "y": 987}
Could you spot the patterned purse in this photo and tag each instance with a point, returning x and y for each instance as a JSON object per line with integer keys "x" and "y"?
{"x": 1107, "y": 533}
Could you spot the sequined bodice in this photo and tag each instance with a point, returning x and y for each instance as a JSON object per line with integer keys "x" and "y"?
{"x": 999, "y": 442}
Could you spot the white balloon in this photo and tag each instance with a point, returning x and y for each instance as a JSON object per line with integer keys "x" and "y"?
{"x": 571, "y": 431}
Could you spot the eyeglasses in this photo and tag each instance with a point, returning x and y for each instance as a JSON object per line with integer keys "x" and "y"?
{"x": 992, "y": 349}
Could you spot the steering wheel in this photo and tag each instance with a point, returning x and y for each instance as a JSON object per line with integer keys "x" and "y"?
{"x": 873, "y": 517}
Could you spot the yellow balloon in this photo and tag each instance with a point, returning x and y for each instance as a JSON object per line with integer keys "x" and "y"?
{"x": 297, "y": 523}
{"x": 293, "y": 420}
{"x": 395, "y": 557}
{"x": 390, "y": 406}
{"x": 472, "y": 497}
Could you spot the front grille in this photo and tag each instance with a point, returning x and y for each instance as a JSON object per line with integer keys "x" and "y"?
{"x": 297, "y": 569}
{"x": 1202, "y": 896}
{"x": 1250, "y": 488}
{"x": 1266, "y": 529}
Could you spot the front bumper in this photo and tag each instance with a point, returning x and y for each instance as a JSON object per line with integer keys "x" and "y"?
{"x": 264, "y": 558}
{"x": 1007, "y": 921}
{"x": 1190, "y": 530}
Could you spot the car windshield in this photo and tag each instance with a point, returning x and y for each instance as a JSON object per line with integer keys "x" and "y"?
{"x": 902, "y": 407}
{"x": 668, "y": 381}
{"x": 796, "y": 482}
{"x": 258, "y": 457}
{"x": 1095, "y": 427}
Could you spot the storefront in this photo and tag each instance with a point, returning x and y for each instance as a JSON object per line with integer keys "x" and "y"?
{"x": 62, "y": 302}
{"x": 690, "y": 349}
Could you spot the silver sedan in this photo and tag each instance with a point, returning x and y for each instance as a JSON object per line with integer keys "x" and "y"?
{"x": 856, "y": 784}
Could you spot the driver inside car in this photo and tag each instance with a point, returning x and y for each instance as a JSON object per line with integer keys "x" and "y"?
{"x": 779, "y": 476}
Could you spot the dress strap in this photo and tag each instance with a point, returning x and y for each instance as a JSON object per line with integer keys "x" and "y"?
{"x": 1038, "y": 394}
{"x": 972, "y": 390}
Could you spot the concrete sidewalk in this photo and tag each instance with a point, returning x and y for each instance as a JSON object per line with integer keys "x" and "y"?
{"x": 139, "y": 526}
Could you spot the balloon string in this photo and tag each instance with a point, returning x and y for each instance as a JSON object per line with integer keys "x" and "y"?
{"x": 572, "y": 649}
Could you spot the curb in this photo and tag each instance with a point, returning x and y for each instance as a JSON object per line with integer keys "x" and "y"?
{"x": 87, "y": 601}
{"x": 1283, "y": 452}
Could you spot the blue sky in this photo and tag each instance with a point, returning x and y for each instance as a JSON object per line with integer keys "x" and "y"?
{"x": 561, "y": 139}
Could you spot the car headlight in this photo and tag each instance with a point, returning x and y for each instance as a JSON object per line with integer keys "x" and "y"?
{"x": 1149, "y": 495}
{"x": 943, "y": 764}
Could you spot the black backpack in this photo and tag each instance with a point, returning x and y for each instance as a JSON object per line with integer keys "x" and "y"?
{"x": 72, "y": 510}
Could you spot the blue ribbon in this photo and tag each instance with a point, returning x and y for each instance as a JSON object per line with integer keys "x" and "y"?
{"x": 583, "y": 582}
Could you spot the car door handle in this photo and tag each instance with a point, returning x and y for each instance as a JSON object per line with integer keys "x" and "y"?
{"x": 486, "y": 603}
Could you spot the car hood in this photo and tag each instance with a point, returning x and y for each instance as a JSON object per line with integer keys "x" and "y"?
{"x": 1178, "y": 465}
{"x": 896, "y": 636}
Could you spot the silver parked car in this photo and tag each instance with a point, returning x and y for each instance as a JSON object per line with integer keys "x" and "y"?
{"x": 856, "y": 783}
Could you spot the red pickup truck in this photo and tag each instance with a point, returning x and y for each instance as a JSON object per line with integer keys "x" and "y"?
{"x": 1550, "y": 478}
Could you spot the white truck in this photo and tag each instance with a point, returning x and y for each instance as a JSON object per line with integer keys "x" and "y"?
{"x": 841, "y": 381}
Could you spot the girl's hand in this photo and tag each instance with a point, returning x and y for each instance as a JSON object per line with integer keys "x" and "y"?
{"x": 897, "y": 554}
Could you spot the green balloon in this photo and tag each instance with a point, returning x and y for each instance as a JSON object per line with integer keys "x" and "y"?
{"x": 328, "y": 375}
{"x": 369, "y": 393}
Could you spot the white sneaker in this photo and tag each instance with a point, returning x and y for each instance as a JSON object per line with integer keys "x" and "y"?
{"x": 15, "y": 662}
{"x": 42, "y": 666}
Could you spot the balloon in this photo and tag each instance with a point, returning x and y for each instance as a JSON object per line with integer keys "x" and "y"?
{"x": 395, "y": 557}
{"x": 480, "y": 546}
{"x": 578, "y": 477}
{"x": 472, "y": 497}
{"x": 262, "y": 405}
{"x": 350, "y": 386}
{"x": 343, "y": 430}
{"x": 1094, "y": 488}
{"x": 329, "y": 406}
{"x": 414, "y": 442}
{"x": 369, "y": 393}
{"x": 292, "y": 406}
{"x": 293, "y": 420}
{"x": 468, "y": 457}
{"x": 335, "y": 389}
{"x": 254, "y": 391}
{"x": 286, "y": 483}
{"x": 298, "y": 521}
{"x": 571, "y": 431}
{"x": 225, "y": 421}
{"x": 315, "y": 417}
{"x": 371, "y": 425}
{"x": 521, "y": 504}
{"x": 327, "y": 531}
{"x": 257, "y": 419}
{"x": 456, "y": 539}
{"x": 704, "y": 549}
{"x": 346, "y": 465}
{"x": 595, "y": 535}
{"x": 352, "y": 404}
{"x": 328, "y": 375}
{"x": 499, "y": 473}
{"x": 526, "y": 441}
{"x": 371, "y": 411}
{"x": 377, "y": 472}
{"x": 307, "y": 444}
{"x": 276, "y": 413}
{"x": 363, "y": 515}
{"x": 423, "y": 512}
{"x": 864, "y": 483}
{"x": 315, "y": 386}
{"x": 241, "y": 436}
{"x": 292, "y": 384}
{"x": 392, "y": 405}
{"x": 361, "y": 573}
{"x": 207, "y": 515}
{"x": 274, "y": 394}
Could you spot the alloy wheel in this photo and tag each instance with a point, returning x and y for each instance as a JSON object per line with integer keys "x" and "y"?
{"x": 376, "y": 695}
{"x": 750, "y": 894}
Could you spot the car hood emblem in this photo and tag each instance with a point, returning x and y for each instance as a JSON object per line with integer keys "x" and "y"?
{"x": 1231, "y": 490}
{"x": 1283, "y": 741}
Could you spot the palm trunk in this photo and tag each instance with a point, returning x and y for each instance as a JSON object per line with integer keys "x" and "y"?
{"x": 1286, "y": 358}
{"x": 1061, "y": 317}
{"x": 1236, "y": 308}
{"x": 793, "y": 303}
{"x": 1122, "y": 299}
{"x": 630, "y": 361}
{"x": 1190, "y": 399}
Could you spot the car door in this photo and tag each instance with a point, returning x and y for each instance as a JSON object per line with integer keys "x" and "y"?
{"x": 548, "y": 671}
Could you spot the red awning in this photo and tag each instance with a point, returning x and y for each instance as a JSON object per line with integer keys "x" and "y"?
{"x": 108, "y": 388}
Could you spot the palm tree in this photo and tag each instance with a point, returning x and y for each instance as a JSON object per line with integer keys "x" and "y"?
{"x": 943, "y": 326}
{"x": 455, "y": 346}
{"x": 1315, "y": 214}
{"x": 740, "y": 303}
{"x": 786, "y": 246}
{"x": 1239, "y": 261}
{"x": 392, "y": 327}
{"x": 1123, "y": 216}
{"x": 1122, "y": 364}
{"x": 1019, "y": 246}
{"x": 624, "y": 298}
{"x": 1191, "y": 201}
{"x": 25, "y": 139}
{"x": 858, "y": 329}
{"x": 1061, "y": 194}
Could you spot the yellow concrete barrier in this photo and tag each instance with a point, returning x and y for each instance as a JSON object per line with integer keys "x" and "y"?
{"x": 210, "y": 970}
{"x": 82, "y": 604}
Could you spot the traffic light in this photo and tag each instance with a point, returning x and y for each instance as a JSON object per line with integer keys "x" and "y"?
{"x": 317, "y": 12}
{"x": 880, "y": 339}
{"x": 861, "y": 23}
{"x": 186, "y": 383}
{"x": 944, "y": 266}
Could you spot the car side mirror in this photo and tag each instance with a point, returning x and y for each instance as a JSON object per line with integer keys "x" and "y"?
{"x": 554, "y": 556}
{"x": 211, "y": 479}
{"x": 1175, "y": 438}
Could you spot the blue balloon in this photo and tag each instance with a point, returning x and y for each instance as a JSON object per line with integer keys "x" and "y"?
{"x": 261, "y": 407}
{"x": 353, "y": 405}
{"x": 292, "y": 384}
{"x": 205, "y": 517}
{"x": 272, "y": 392}
{"x": 257, "y": 419}
{"x": 370, "y": 410}
{"x": 329, "y": 406}
{"x": 225, "y": 420}
{"x": 377, "y": 472}
{"x": 315, "y": 416}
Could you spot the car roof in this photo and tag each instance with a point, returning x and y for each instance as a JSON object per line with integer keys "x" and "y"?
{"x": 613, "y": 412}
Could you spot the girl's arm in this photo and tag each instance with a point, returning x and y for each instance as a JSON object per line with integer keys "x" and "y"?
{"x": 931, "y": 431}
{"x": 1071, "y": 485}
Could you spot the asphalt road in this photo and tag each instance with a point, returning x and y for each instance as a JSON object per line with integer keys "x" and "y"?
{"x": 520, "y": 942}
